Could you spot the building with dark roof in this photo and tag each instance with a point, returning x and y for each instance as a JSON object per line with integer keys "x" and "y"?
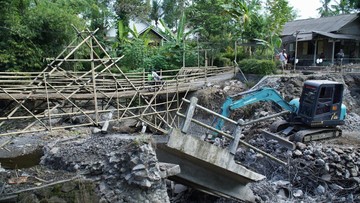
{"x": 323, "y": 38}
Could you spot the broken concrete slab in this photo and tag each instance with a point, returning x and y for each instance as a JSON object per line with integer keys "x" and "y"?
{"x": 207, "y": 167}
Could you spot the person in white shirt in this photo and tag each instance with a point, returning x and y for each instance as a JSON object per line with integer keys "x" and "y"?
{"x": 283, "y": 59}
{"x": 156, "y": 77}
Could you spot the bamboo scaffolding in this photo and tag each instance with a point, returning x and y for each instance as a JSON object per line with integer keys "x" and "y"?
{"x": 69, "y": 87}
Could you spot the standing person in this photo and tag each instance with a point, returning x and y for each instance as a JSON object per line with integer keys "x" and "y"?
{"x": 283, "y": 59}
{"x": 156, "y": 77}
{"x": 339, "y": 58}
{"x": 157, "y": 80}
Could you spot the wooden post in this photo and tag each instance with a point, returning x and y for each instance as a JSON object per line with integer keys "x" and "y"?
{"x": 184, "y": 53}
{"x": 237, "y": 135}
{"x": 189, "y": 114}
{"x": 206, "y": 64}
{"x": 117, "y": 100}
{"x": 144, "y": 78}
{"x": 198, "y": 51}
{"x": 177, "y": 96}
{"x": 167, "y": 103}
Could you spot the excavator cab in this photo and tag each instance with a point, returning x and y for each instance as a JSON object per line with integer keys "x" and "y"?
{"x": 321, "y": 103}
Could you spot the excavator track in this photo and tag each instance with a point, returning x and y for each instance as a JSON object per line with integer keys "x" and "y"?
{"x": 309, "y": 135}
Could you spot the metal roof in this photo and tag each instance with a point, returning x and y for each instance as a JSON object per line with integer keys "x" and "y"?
{"x": 325, "y": 24}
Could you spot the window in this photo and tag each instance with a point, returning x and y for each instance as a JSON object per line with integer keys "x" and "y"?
{"x": 326, "y": 94}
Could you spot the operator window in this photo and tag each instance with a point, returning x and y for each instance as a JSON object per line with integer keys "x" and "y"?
{"x": 338, "y": 94}
{"x": 326, "y": 94}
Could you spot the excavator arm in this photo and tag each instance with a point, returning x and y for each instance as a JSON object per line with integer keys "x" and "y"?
{"x": 251, "y": 97}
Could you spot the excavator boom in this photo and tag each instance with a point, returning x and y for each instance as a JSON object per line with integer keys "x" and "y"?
{"x": 251, "y": 97}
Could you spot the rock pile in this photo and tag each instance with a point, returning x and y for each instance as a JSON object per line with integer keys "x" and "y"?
{"x": 126, "y": 170}
{"x": 331, "y": 173}
{"x": 315, "y": 172}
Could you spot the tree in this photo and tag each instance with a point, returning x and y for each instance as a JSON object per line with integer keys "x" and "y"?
{"x": 343, "y": 7}
{"x": 325, "y": 10}
{"x": 279, "y": 12}
{"x": 332, "y": 7}
{"x": 209, "y": 15}
{"x": 127, "y": 9}
{"x": 32, "y": 31}
{"x": 155, "y": 13}
{"x": 172, "y": 10}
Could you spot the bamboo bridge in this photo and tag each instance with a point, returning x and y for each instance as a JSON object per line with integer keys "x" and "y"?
{"x": 33, "y": 101}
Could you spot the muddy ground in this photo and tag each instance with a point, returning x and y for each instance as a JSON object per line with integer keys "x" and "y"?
{"x": 322, "y": 171}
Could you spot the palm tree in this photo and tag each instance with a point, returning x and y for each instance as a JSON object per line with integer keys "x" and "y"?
{"x": 325, "y": 10}
{"x": 244, "y": 12}
{"x": 343, "y": 7}
{"x": 155, "y": 14}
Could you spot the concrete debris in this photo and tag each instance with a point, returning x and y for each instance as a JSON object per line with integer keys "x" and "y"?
{"x": 123, "y": 168}
{"x": 298, "y": 193}
{"x": 320, "y": 190}
{"x": 168, "y": 169}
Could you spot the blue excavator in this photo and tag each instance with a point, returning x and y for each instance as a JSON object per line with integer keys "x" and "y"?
{"x": 316, "y": 115}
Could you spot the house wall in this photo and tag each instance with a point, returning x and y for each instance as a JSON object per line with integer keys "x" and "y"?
{"x": 156, "y": 40}
{"x": 306, "y": 51}
{"x": 350, "y": 48}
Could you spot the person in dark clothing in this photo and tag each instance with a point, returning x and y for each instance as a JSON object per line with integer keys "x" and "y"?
{"x": 339, "y": 60}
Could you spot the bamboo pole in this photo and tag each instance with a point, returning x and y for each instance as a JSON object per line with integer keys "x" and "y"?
{"x": 94, "y": 82}
{"x": 26, "y": 109}
{"x": 48, "y": 103}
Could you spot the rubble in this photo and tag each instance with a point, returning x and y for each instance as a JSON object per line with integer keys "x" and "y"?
{"x": 321, "y": 171}
{"x": 126, "y": 170}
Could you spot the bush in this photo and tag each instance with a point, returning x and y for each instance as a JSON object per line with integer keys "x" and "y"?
{"x": 254, "y": 66}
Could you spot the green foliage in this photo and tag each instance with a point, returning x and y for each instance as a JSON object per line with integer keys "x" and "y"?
{"x": 155, "y": 14}
{"x": 332, "y": 7}
{"x": 30, "y": 32}
{"x": 172, "y": 11}
{"x": 127, "y": 9}
{"x": 255, "y": 66}
{"x": 50, "y": 26}
{"x": 279, "y": 12}
{"x": 135, "y": 53}
{"x": 139, "y": 56}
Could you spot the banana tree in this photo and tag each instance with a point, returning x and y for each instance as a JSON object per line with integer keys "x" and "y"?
{"x": 243, "y": 12}
{"x": 178, "y": 39}
{"x": 123, "y": 35}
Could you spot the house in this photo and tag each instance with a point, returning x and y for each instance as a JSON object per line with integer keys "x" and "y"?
{"x": 154, "y": 34}
{"x": 322, "y": 38}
